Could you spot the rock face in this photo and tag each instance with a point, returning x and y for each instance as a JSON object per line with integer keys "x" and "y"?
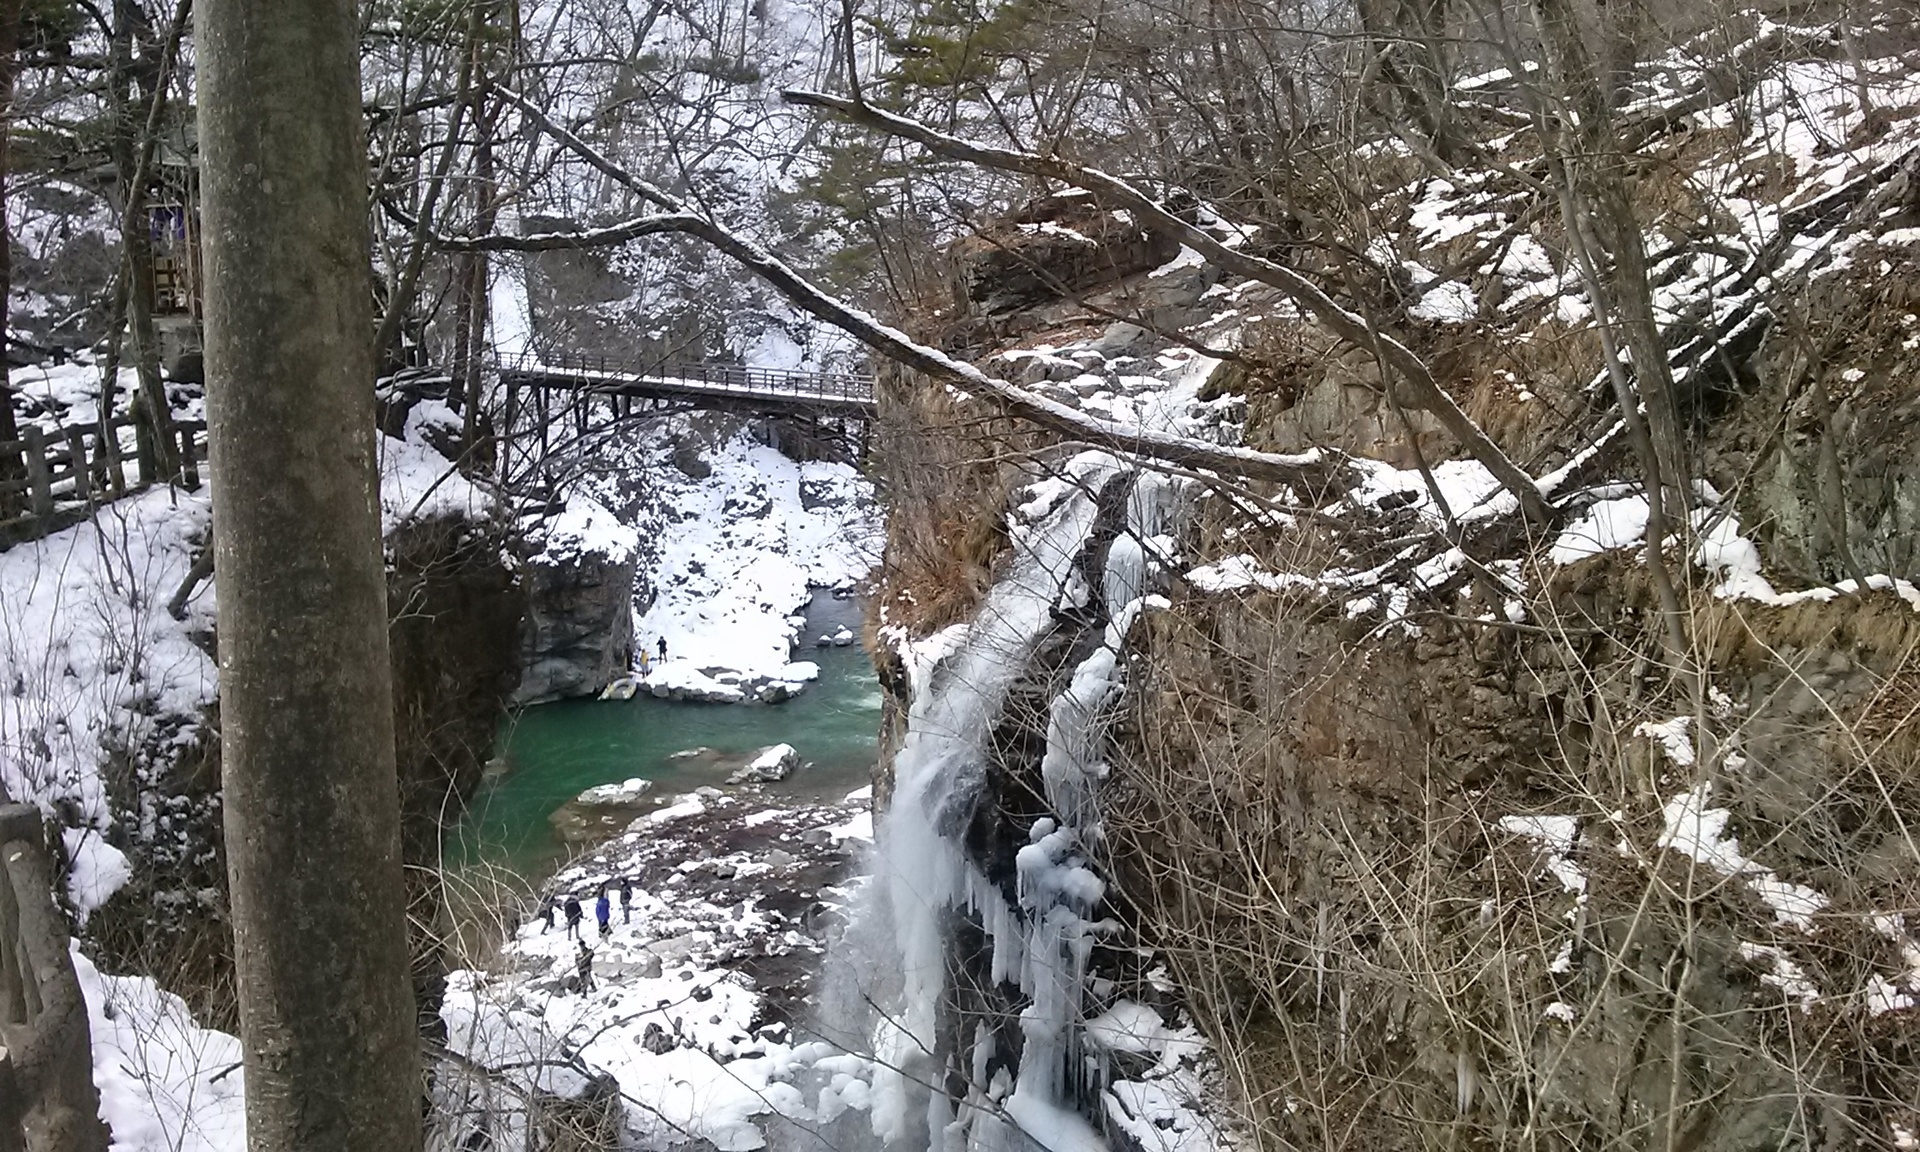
{"x": 1055, "y": 246}
{"x": 578, "y": 636}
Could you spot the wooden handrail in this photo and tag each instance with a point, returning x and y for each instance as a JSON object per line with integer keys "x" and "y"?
{"x": 799, "y": 383}
{"x": 56, "y": 473}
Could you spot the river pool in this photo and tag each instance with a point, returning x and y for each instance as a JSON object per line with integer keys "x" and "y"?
{"x": 550, "y": 753}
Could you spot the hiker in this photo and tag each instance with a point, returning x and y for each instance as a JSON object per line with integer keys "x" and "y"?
{"x": 626, "y": 900}
{"x": 603, "y": 912}
{"x": 646, "y": 659}
{"x": 583, "y": 963}
{"x": 546, "y": 914}
{"x": 663, "y": 649}
{"x": 573, "y": 916}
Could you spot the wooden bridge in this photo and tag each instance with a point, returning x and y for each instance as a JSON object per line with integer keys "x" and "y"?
{"x": 778, "y": 391}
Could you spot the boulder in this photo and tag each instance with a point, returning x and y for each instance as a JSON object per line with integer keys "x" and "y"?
{"x": 768, "y": 765}
{"x": 602, "y": 811}
{"x": 1060, "y": 244}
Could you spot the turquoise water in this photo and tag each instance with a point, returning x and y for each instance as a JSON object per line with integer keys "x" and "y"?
{"x": 552, "y": 752}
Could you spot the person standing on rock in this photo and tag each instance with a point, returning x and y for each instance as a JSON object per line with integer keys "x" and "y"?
{"x": 662, "y": 645}
{"x": 573, "y": 916}
{"x": 583, "y": 964}
{"x": 603, "y": 912}
{"x": 626, "y": 899}
{"x": 546, "y": 914}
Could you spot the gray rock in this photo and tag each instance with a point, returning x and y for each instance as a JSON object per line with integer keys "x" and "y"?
{"x": 602, "y": 811}
{"x": 578, "y": 634}
{"x": 1119, "y": 339}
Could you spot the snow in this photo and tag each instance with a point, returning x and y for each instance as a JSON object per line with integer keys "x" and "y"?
{"x": 1556, "y": 836}
{"x": 859, "y": 827}
{"x": 1448, "y": 302}
{"x": 1723, "y": 551}
{"x": 417, "y": 482}
{"x": 624, "y": 792}
{"x": 1673, "y": 736}
{"x": 93, "y": 661}
{"x": 1699, "y": 832}
{"x": 1605, "y": 525}
{"x": 165, "y": 1083}
{"x": 736, "y": 553}
{"x": 585, "y": 527}
{"x": 1782, "y": 973}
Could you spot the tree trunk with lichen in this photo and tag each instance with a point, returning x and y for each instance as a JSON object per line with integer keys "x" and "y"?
{"x": 307, "y": 736}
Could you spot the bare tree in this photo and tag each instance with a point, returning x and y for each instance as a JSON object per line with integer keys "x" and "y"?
{"x": 312, "y": 806}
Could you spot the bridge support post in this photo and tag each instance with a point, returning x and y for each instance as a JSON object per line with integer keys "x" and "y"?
{"x": 508, "y": 432}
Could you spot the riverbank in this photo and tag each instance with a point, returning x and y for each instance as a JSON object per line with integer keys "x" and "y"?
{"x": 689, "y": 1026}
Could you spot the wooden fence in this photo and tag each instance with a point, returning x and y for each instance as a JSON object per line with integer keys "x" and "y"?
{"x": 47, "y": 1097}
{"x": 50, "y": 480}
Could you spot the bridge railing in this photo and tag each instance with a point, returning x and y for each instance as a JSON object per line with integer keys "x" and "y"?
{"x": 848, "y": 387}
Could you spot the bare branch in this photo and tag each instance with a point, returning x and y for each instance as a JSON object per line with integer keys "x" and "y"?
{"x": 1422, "y": 390}
{"x": 1312, "y": 470}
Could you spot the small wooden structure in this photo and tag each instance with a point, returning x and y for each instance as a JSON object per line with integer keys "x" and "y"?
{"x": 59, "y": 477}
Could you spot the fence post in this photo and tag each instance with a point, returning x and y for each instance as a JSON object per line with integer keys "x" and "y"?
{"x": 110, "y": 453}
{"x": 82, "y": 468}
{"x": 39, "y": 476}
{"x": 189, "y": 466}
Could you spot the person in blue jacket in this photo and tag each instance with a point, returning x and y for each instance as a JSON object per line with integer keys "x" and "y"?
{"x": 603, "y": 911}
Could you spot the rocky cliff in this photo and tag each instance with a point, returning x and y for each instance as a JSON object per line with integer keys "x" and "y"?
{"x": 1448, "y": 828}
{"x": 578, "y": 632}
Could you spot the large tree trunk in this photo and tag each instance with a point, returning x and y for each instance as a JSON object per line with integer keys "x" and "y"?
{"x": 307, "y": 737}
{"x": 10, "y": 468}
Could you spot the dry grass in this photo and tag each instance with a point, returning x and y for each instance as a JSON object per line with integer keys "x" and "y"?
{"x": 946, "y": 470}
{"x": 1307, "y": 817}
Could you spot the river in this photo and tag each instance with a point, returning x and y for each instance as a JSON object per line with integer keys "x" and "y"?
{"x": 550, "y": 753}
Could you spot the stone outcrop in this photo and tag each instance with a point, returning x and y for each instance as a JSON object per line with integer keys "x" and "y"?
{"x": 578, "y": 636}
{"x": 603, "y": 811}
{"x": 1053, "y": 247}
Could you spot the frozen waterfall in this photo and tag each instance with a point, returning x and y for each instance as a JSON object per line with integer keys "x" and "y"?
{"x": 1086, "y": 543}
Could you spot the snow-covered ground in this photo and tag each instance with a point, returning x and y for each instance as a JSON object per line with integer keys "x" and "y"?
{"x": 696, "y": 1007}
{"x": 731, "y": 556}
{"x": 93, "y": 662}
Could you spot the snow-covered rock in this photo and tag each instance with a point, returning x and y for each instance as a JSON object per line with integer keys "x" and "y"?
{"x": 768, "y": 765}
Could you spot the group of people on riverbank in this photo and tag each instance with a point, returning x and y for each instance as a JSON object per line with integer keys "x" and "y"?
{"x": 570, "y": 907}
{"x": 574, "y": 912}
